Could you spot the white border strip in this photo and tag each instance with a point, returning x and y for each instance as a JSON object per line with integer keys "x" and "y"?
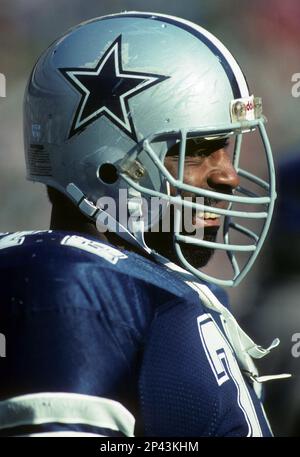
{"x": 66, "y": 408}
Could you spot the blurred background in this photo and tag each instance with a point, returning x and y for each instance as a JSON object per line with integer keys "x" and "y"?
{"x": 264, "y": 36}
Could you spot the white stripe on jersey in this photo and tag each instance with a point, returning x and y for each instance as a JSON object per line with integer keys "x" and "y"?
{"x": 66, "y": 408}
{"x": 63, "y": 434}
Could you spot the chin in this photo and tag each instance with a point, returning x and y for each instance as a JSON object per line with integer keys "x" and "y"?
{"x": 197, "y": 256}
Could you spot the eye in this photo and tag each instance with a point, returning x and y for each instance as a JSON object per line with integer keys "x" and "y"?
{"x": 200, "y": 148}
{"x": 198, "y": 153}
{"x": 204, "y": 148}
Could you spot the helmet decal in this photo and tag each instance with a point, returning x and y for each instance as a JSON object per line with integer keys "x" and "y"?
{"x": 106, "y": 90}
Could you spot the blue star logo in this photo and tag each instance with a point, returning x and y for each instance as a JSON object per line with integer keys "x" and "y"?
{"x": 107, "y": 89}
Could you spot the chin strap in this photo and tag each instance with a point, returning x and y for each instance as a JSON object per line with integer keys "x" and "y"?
{"x": 244, "y": 347}
{"x": 134, "y": 204}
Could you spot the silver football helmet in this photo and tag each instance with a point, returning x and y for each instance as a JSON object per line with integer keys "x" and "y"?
{"x": 106, "y": 101}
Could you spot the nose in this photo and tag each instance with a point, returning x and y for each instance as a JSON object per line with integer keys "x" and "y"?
{"x": 222, "y": 175}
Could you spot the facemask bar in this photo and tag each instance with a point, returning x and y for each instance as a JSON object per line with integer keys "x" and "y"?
{"x": 228, "y": 223}
{"x": 247, "y": 197}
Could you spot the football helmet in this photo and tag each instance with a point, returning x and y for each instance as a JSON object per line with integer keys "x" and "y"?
{"x": 107, "y": 100}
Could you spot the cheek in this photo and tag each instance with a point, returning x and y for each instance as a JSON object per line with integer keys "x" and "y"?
{"x": 194, "y": 174}
{"x": 172, "y": 167}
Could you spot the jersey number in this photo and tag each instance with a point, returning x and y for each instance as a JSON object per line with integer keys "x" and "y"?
{"x": 225, "y": 368}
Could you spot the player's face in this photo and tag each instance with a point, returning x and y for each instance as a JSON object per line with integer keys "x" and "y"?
{"x": 207, "y": 166}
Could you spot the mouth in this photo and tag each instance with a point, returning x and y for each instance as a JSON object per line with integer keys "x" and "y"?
{"x": 200, "y": 219}
{"x": 205, "y": 219}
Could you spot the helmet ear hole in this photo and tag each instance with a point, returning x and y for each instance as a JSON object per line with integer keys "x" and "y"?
{"x": 108, "y": 173}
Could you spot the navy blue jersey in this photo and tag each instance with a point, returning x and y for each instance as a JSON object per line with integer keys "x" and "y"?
{"x": 96, "y": 336}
